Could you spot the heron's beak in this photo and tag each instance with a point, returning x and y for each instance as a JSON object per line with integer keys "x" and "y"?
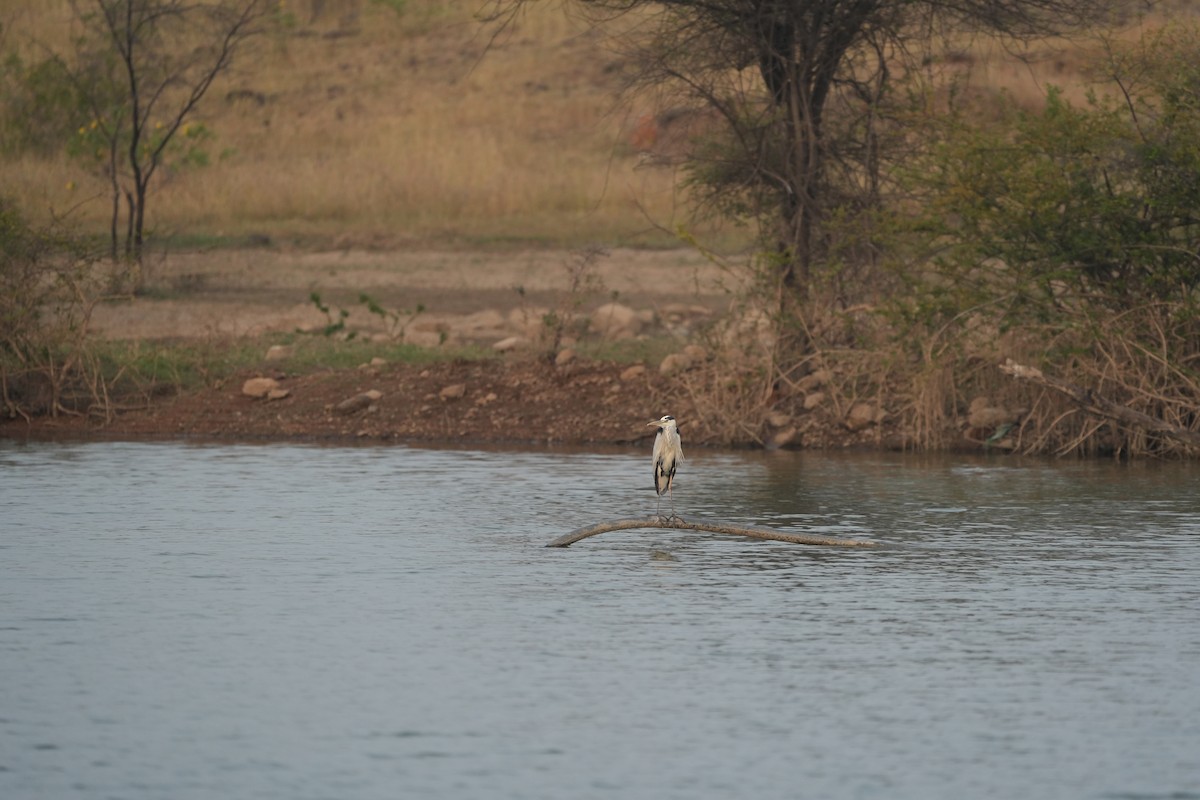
{"x": 655, "y": 423}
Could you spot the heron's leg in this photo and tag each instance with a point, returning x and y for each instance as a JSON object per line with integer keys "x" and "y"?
{"x": 671, "y": 491}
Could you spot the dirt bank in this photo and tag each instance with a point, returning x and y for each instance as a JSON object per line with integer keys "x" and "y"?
{"x": 511, "y": 397}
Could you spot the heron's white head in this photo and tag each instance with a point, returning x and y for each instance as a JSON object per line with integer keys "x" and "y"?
{"x": 665, "y": 423}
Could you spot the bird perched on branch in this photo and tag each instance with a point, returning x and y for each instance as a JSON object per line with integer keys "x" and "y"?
{"x": 668, "y": 452}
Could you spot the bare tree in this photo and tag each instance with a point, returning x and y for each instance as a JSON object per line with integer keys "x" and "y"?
{"x": 142, "y": 67}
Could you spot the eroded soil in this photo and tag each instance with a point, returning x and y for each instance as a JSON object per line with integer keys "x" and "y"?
{"x": 469, "y": 296}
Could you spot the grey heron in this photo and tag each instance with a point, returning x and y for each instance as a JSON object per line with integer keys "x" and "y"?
{"x": 668, "y": 452}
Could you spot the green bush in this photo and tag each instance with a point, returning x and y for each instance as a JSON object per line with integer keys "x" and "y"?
{"x": 1068, "y": 235}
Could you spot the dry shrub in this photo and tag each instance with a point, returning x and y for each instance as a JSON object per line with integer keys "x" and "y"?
{"x": 48, "y": 288}
{"x": 1143, "y": 359}
{"x": 754, "y": 374}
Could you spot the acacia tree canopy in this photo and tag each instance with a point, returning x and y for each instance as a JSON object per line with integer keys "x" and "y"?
{"x": 773, "y": 71}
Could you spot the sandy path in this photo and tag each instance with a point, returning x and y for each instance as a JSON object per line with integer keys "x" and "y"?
{"x": 253, "y": 291}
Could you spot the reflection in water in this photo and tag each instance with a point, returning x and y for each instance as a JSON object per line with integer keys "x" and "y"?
{"x": 283, "y": 621}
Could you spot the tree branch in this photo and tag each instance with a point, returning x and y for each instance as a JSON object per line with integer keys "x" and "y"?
{"x": 714, "y": 526}
{"x": 1100, "y": 406}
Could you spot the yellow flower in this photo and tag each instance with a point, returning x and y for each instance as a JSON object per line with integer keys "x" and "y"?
{"x": 95, "y": 124}
{"x": 82, "y": 131}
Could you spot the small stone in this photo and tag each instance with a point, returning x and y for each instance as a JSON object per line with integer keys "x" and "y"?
{"x": 633, "y": 373}
{"x": 674, "y": 364}
{"x": 813, "y": 400}
{"x": 373, "y": 394}
{"x": 511, "y": 343}
{"x": 278, "y": 394}
{"x": 259, "y": 387}
{"x": 278, "y": 352}
{"x": 983, "y": 415}
{"x": 696, "y": 353}
{"x": 378, "y": 361}
{"x": 781, "y": 438}
{"x": 862, "y": 416}
{"x": 779, "y": 419}
{"x": 453, "y": 392}
{"x": 564, "y": 357}
{"x": 615, "y": 321}
{"x": 356, "y": 403}
{"x": 814, "y": 380}
{"x": 490, "y": 397}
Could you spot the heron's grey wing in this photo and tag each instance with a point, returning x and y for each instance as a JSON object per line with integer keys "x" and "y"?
{"x": 659, "y": 446}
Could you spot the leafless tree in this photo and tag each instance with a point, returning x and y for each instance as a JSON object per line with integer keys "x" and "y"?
{"x": 142, "y": 67}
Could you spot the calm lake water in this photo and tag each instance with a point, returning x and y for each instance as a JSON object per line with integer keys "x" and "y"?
{"x": 277, "y": 621}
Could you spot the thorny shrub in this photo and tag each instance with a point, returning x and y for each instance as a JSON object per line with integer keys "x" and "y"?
{"x": 49, "y": 284}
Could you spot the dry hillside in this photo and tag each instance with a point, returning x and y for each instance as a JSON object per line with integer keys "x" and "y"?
{"x": 387, "y": 121}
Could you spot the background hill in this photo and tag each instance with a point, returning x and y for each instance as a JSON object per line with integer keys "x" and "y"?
{"x": 382, "y": 121}
{"x": 377, "y": 122}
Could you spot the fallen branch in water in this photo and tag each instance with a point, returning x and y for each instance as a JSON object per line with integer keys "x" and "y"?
{"x": 676, "y": 523}
{"x": 1100, "y": 406}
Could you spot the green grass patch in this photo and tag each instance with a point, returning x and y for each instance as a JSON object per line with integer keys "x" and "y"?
{"x": 159, "y": 367}
{"x": 649, "y": 350}
{"x": 172, "y": 365}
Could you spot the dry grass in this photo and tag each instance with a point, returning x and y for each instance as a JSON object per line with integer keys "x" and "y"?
{"x": 363, "y": 122}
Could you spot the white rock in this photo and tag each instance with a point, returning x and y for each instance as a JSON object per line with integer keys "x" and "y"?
{"x": 278, "y": 352}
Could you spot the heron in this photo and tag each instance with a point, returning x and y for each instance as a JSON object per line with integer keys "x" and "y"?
{"x": 668, "y": 452}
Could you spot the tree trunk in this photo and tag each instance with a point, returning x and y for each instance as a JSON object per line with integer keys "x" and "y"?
{"x": 116, "y": 197}
{"x": 139, "y": 225}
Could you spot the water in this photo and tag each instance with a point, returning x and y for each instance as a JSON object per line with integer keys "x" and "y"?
{"x": 181, "y": 621}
